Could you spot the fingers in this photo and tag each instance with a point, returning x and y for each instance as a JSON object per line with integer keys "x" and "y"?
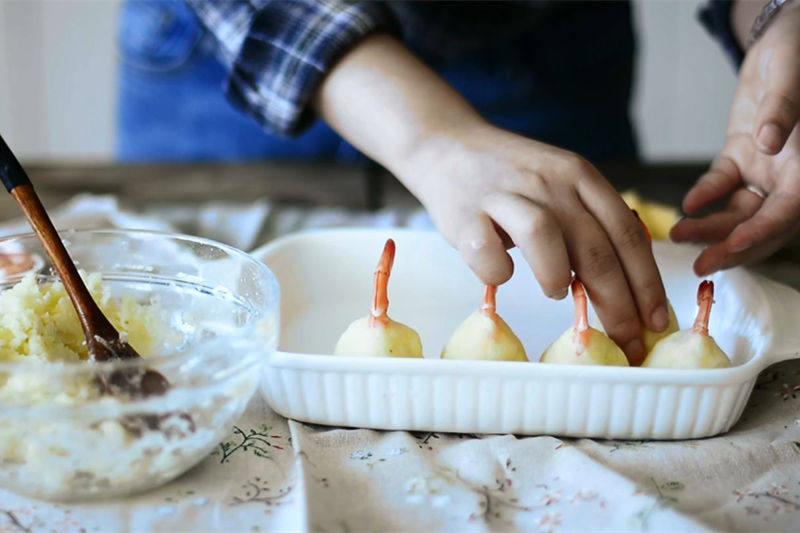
{"x": 595, "y": 262}
{"x": 632, "y": 247}
{"x": 717, "y": 226}
{"x": 763, "y": 227}
{"x": 777, "y": 216}
{"x": 536, "y": 232}
{"x": 719, "y": 256}
{"x": 779, "y": 108}
{"x": 483, "y": 250}
{"x": 722, "y": 178}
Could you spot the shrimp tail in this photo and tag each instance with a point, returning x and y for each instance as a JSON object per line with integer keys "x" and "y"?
{"x": 581, "y": 327}
{"x": 15, "y": 263}
{"x": 705, "y": 297}
{"x": 380, "y": 296}
{"x": 489, "y": 304}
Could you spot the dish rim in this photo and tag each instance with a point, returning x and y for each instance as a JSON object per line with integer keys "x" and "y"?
{"x": 510, "y": 369}
{"x": 515, "y": 369}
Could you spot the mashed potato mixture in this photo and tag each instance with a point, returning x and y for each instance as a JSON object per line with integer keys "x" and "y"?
{"x": 53, "y": 455}
{"x": 63, "y": 438}
{"x": 39, "y": 325}
{"x": 38, "y": 321}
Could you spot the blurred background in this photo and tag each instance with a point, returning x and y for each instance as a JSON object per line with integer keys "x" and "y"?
{"x": 59, "y": 65}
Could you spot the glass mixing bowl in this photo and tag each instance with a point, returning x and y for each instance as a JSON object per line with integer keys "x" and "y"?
{"x": 60, "y": 438}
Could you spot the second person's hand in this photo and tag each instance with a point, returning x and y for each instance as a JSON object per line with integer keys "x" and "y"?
{"x": 758, "y": 167}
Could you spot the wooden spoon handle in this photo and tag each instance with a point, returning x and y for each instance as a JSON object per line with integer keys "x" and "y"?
{"x": 19, "y": 185}
{"x": 11, "y": 172}
{"x": 92, "y": 319}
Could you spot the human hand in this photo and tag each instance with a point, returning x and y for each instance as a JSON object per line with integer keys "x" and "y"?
{"x": 762, "y": 149}
{"x": 487, "y": 190}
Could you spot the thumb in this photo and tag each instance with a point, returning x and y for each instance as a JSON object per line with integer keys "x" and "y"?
{"x": 779, "y": 108}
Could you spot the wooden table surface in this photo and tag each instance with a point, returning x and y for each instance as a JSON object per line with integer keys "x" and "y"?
{"x": 137, "y": 185}
{"x": 358, "y": 186}
{"x": 352, "y": 185}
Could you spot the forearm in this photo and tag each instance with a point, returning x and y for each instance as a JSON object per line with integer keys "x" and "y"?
{"x": 386, "y": 102}
{"x": 742, "y": 17}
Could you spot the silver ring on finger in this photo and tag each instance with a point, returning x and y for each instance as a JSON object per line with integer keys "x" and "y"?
{"x": 758, "y": 191}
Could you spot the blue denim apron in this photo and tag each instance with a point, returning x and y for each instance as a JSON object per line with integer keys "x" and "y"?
{"x": 567, "y": 82}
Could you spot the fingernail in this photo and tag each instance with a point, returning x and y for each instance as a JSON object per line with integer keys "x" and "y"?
{"x": 660, "y": 318}
{"x": 703, "y": 272}
{"x": 741, "y": 247}
{"x": 560, "y": 294}
{"x": 634, "y": 350}
{"x": 769, "y": 137}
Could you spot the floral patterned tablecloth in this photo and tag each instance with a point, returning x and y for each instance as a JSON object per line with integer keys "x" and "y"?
{"x": 277, "y": 474}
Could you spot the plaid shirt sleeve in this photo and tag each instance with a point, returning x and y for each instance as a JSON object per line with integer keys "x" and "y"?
{"x": 279, "y": 51}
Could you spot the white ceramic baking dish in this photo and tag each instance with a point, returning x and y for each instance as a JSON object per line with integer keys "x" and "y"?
{"x": 326, "y": 281}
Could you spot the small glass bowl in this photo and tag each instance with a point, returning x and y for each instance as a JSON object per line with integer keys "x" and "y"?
{"x": 221, "y": 308}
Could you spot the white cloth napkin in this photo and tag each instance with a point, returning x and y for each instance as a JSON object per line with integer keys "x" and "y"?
{"x": 328, "y": 479}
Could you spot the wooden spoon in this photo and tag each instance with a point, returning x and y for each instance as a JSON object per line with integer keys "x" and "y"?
{"x": 102, "y": 339}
